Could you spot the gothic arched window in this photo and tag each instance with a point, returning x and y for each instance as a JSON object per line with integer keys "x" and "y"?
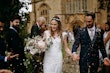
{"x": 73, "y": 6}
{"x": 44, "y": 11}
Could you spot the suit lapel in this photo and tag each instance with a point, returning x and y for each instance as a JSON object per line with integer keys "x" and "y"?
{"x": 95, "y": 35}
{"x": 87, "y": 35}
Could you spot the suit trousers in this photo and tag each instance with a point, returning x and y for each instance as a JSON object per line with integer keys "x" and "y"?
{"x": 86, "y": 69}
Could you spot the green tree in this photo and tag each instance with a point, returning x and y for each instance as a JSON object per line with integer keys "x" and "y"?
{"x": 8, "y": 8}
{"x": 104, "y": 4}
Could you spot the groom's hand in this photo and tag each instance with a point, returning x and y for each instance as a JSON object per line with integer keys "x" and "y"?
{"x": 106, "y": 62}
{"x": 75, "y": 57}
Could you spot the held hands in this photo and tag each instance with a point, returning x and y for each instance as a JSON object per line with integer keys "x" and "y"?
{"x": 106, "y": 62}
{"x": 75, "y": 57}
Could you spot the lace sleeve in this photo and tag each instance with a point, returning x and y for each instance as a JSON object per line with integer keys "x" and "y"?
{"x": 69, "y": 35}
{"x": 48, "y": 37}
{"x": 47, "y": 34}
{"x": 64, "y": 34}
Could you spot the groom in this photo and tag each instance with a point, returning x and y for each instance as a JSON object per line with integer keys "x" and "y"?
{"x": 91, "y": 40}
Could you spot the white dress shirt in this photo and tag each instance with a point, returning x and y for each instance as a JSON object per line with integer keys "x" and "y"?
{"x": 91, "y": 32}
{"x": 13, "y": 29}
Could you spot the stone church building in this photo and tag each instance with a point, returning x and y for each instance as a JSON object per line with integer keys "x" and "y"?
{"x": 67, "y": 10}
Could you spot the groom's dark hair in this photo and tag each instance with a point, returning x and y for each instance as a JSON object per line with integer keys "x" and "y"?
{"x": 91, "y": 14}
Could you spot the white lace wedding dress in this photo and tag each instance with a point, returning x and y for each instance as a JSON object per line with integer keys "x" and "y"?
{"x": 107, "y": 44}
{"x": 53, "y": 56}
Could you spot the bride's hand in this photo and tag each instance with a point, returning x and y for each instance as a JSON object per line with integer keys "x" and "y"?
{"x": 75, "y": 57}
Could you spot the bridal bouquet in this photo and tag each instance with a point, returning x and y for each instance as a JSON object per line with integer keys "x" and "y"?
{"x": 35, "y": 45}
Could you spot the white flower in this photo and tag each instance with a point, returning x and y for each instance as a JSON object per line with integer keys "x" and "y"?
{"x": 32, "y": 50}
{"x": 42, "y": 45}
{"x": 35, "y": 45}
{"x": 98, "y": 30}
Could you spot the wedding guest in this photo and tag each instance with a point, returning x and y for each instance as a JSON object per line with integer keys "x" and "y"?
{"x": 75, "y": 27}
{"x": 91, "y": 40}
{"x": 15, "y": 45}
{"x": 36, "y": 28}
{"x": 106, "y": 36}
{"x": 35, "y": 31}
{"x": 3, "y": 57}
{"x": 108, "y": 20}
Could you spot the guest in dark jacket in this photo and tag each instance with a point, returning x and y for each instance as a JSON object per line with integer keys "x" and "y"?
{"x": 35, "y": 31}
{"x": 3, "y": 57}
{"x": 36, "y": 28}
{"x": 15, "y": 46}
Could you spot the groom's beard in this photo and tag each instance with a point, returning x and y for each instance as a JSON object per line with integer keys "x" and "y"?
{"x": 17, "y": 28}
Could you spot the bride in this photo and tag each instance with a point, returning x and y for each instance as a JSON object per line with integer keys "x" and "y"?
{"x": 53, "y": 55}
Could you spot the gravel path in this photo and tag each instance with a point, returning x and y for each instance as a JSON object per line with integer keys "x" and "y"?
{"x": 68, "y": 65}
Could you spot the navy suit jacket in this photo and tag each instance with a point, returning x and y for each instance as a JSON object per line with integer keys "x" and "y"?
{"x": 89, "y": 53}
{"x": 2, "y": 58}
{"x": 2, "y": 54}
{"x": 35, "y": 30}
{"x": 16, "y": 46}
{"x": 15, "y": 43}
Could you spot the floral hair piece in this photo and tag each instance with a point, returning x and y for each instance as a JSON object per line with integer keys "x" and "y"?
{"x": 55, "y": 19}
